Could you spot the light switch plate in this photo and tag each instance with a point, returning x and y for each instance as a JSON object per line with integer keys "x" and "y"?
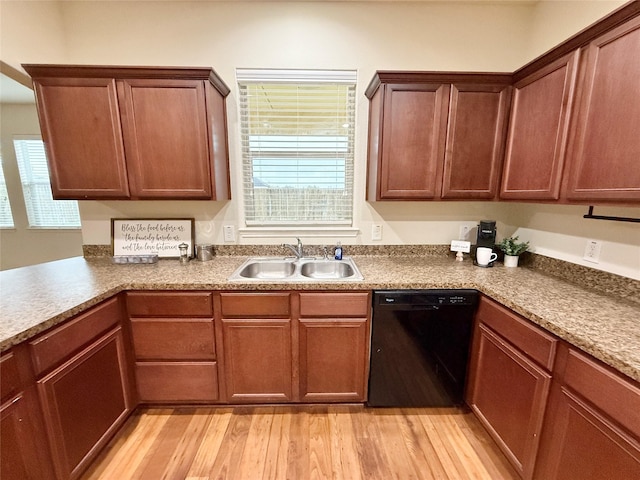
{"x": 376, "y": 231}
{"x": 229, "y": 233}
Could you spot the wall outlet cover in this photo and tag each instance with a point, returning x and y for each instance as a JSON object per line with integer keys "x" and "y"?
{"x": 592, "y": 251}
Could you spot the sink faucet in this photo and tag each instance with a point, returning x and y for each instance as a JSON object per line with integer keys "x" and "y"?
{"x": 298, "y": 251}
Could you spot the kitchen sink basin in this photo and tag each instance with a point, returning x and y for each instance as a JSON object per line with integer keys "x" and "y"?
{"x": 264, "y": 269}
{"x": 291, "y": 269}
{"x": 326, "y": 270}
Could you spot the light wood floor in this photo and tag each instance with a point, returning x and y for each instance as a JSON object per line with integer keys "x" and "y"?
{"x": 301, "y": 443}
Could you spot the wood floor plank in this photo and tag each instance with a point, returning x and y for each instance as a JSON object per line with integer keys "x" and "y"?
{"x": 344, "y": 452}
{"x": 211, "y": 444}
{"x": 422, "y": 453}
{"x": 276, "y": 462}
{"x": 257, "y": 444}
{"x": 188, "y": 444}
{"x": 227, "y": 463}
{"x": 298, "y": 449}
{"x": 400, "y": 463}
{"x": 123, "y": 461}
{"x": 374, "y": 463}
{"x": 338, "y": 442}
{"x": 163, "y": 449}
{"x": 320, "y": 463}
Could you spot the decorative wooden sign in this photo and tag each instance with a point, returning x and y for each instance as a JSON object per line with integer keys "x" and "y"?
{"x": 151, "y": 236}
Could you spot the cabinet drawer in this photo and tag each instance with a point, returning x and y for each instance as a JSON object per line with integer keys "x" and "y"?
{"x": 9, "y": 376}
{"x": 615, "y": 395}
{"x": 170, "y": 304}
{"x": 263, "y": 305}
{"x": 173, "y": 339}
{"x": 177, "y": 381}
{"x": 323, "y": 304}
{"x": 537, "y": 344}
{"x": 54, "y": 346}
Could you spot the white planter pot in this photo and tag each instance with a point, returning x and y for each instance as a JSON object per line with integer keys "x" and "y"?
{"x": 511, "y": 260}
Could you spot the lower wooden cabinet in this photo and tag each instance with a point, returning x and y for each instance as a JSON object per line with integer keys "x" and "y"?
{"x": 592, "y": 430}
{"x": 258, "y": 360}
{"x": 295, "y": 346}
{"x": 174, "y": 346}
{"x": 333, "y": 346}
{"x": 85, "y": 400}
{"x": 509, "y": 381}
{"x": 333, "y": 360}
{"x": 24, "y": 452}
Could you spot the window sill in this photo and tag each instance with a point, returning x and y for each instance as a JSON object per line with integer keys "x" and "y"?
{"x": 302, "y": 232}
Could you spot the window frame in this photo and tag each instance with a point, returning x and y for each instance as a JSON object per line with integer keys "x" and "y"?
{"x": 25, "y": 182}
{"x": 316, "y": 228}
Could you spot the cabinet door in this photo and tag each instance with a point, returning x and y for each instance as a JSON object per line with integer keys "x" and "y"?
{"x": 22, "y": 454}
{"x": 333, "y": 354}
{"x": 258, "y": 360}
{"x": 85, "y": 400}
{"x": 592, "y": 429}
{"x": 583, "y": 444}
{"x": 605, "y": 151}
{"x": 166, "y": 138}
{"x": 508, "y": 393}
{"x": 475, "y": 140}
{"x": 82, "y": 133}
{"x": 413, "y": 141}
{"x": 538, "y": 129}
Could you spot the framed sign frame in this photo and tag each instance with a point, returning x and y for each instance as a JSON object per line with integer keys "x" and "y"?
{"x": 151, "y": 236}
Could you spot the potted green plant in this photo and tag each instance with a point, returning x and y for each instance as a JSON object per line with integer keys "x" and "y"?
{"x": 512, "y": 250}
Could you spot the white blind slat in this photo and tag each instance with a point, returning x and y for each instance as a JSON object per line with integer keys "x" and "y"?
{"x": 6, "y": 217}
{"x": 297, "y": 136}
{"x": 42, "y": 210}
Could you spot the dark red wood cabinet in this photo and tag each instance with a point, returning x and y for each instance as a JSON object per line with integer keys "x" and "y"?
{"x": 116, "y": 132}
{"x": 174, "y": 346}
{"x": 84, "y": 385}
{"x": 334, "y": 346}
{"x": 592, "y": 429}
{"x": 604, "y": 153}
{"x": 509, "y": 381}
{"x": 24, "y": 448}
{"x": 538, "y": 131}
{"x": 436, "y": 135}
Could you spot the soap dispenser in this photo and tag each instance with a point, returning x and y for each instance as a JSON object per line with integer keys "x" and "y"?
{"x": 338, "y": 251}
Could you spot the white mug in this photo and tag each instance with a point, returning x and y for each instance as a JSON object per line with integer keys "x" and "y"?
{"x": 484, "y": 256}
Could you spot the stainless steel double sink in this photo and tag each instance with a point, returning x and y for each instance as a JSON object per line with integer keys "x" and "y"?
{"x": 290, "y": 269}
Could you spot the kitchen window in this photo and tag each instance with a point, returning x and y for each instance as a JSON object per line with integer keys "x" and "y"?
{"x": 6, "y": 217}
{"x": 42, "y": 210}
{"x": 297, "y": 134}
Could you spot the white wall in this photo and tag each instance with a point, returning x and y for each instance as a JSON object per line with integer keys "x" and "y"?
{"x": 465, "y": 36}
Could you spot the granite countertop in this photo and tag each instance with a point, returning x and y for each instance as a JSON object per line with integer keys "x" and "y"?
{"x": 37, "y": 297}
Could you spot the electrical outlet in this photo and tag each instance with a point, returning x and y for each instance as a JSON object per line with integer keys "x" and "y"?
{"x": 592, "y": 251}
{"x": 376, "y": 231}
{"x": 229, "y": 233}
{"x": 464, "y": 232}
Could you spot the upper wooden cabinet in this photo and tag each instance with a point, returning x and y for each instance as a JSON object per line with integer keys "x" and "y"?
{"x": 436, "y": 135}
{"x": 604, "y": 155}
{"x": 538, "y": 130}
{"x": 133, "y": 132}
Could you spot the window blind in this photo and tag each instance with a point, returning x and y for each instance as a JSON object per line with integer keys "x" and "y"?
{"x": 42, "y": 210}
{"x": 297, "y": 134}
{"x": 6, "y": 217}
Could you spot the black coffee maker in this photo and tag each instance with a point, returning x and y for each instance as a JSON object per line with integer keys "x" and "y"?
{"x": 486, "y": 234}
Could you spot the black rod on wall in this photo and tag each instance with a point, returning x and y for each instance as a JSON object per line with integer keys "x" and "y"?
{"x": 606, "y": 217}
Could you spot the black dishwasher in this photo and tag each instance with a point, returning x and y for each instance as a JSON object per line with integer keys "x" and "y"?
{"x": 420, "y": 341}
